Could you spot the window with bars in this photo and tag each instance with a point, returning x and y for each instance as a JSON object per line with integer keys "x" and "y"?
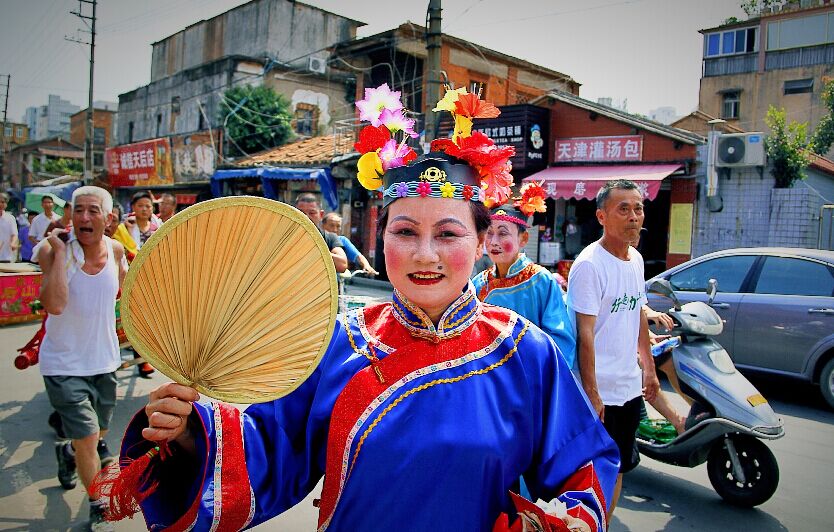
{"x": 730, "y": 107}
{"x": 306, "y": 119}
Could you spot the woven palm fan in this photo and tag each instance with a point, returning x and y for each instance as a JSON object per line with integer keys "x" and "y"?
{"x": 235, "y": 297}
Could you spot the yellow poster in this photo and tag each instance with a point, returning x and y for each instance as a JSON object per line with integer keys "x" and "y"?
{"x": 680, "y": 229}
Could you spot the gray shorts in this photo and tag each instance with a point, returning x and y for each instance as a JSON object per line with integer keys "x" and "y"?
{"x": 85, "y": 404}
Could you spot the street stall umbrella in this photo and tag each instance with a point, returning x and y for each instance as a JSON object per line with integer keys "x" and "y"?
{"x": 33, "y": 202}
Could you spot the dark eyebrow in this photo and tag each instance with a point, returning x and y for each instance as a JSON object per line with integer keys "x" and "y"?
{"x": 405, "y": 219}
{"x": 450, "y": 221}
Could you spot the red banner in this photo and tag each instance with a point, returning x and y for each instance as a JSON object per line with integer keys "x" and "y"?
{"x": 146, "y": 163}
{"x": 599, "y": 149}
{"x": 16, "y": 292}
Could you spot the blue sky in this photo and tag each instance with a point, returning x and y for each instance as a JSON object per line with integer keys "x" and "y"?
{"x": 645, "y": 51}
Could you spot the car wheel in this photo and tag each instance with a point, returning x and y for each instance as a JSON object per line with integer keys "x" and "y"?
{"x": 827, "y": 382}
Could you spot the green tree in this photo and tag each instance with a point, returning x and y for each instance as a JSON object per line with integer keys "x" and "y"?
{"x": 60, "y": 166}
{"x": 786, "y": 148}
{"x": 823, "y": 136}
{"x": 255, "y": 118}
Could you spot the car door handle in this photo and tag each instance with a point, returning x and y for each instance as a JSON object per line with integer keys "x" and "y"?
{"x": 827, "y": 311}
{"x": 720, "y": 305}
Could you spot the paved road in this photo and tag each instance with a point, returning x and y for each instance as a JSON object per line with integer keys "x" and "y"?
{"x": 656, "y": 496}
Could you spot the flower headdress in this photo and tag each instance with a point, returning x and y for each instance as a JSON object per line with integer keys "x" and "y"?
{"x": 468, "y": 166}
{"x": 531, "y": 201}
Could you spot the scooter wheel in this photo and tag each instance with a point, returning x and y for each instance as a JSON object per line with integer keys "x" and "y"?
{"x": 760, "y": 470}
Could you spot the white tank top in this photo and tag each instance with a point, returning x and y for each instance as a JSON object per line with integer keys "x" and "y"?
{"x": 81, "y": 341}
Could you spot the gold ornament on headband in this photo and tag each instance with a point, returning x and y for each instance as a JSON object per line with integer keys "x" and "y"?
{"x": 433, "y": 174}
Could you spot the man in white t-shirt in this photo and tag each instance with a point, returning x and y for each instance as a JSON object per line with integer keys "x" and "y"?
{"x": 9, "y": 243}
{"x": 606, "y": 293}
{"x": 37, "y": 230}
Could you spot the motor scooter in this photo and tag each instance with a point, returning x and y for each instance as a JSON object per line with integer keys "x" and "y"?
{"x": 729, "y": 418}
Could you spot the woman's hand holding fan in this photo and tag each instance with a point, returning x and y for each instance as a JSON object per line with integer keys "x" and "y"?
{"x": 168, "y": 409}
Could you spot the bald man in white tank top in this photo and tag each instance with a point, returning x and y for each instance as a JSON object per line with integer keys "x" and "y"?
{"x": 79, "y": 354}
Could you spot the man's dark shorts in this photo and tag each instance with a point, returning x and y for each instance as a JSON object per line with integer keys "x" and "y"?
{"x": 621, "y": 423}
{"x": 85, "y": 404}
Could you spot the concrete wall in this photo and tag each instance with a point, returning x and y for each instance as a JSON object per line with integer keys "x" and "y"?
{"x": 759, "y": 90}
{"x": 281, "y": 29}
{"x": 744, "y": 220}
{"x": 756, "y": 214}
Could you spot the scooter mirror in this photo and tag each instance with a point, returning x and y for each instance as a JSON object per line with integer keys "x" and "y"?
{"x": 712, "y": 289}
{"x": 664, "y": 288}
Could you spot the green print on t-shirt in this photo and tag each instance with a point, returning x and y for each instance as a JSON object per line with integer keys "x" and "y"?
{"x": 626, "y": 302}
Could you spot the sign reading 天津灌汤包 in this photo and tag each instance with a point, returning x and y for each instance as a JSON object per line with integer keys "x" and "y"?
{"x": 598, "y": 149}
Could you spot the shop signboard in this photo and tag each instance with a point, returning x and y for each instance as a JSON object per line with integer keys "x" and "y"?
{"x": 141, "y": 164}
{"x": 598, "y": 149}
{"x": 195, "y": 155}
{"x": 524, "y": 126}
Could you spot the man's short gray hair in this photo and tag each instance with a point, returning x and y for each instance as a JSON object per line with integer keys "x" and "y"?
{"x": 605, "y": 191}
{"x": 4, "y": 196}
{"x": 98, "y": 192}
{"x": 330, "y": 216}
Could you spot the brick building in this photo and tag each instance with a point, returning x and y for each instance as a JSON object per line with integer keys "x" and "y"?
{"x": 104, "y": 132}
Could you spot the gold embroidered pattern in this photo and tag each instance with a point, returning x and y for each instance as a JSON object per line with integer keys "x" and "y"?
{"x": 433, "y": 174}
{"x": 431, "y": 384}
{"x": 371, "y": 357}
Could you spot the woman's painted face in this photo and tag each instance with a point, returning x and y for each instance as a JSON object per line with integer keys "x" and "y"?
{"x": 143, "y": 207}
{"x": 503, "y": 242}
{"x": 431, "y": 245}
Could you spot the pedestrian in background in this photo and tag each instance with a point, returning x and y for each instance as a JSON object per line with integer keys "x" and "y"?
{"x": 142, "y": 222}
{"x": 309, "y": 205}
{"x": 38, "y": 228}
{"x": 9, "y": 242}
{"x": 605, "y": 298}
{"x": 23, "y": 236}
{"x": 333, "y": 222}
{"x": 167, "y": 206}
{"x": 79, "y": 354}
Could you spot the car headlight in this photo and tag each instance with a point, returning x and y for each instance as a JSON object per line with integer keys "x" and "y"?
{"x": 721, "y": 359}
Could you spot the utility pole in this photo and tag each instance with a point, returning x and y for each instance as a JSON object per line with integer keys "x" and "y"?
{"x": 433, "y": 43}
{"x": 88, "y": 141}
{"x": 5, "y": 118}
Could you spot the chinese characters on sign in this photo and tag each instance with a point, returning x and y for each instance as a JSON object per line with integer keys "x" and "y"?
{"x": 16, "y": 292}
{"x": 599, "y": 149}
{"x": 141, "y": 164}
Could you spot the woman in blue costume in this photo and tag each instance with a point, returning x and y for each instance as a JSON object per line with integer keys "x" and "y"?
{"x": 517, "y": 283}
{"x": 423, "y": 412}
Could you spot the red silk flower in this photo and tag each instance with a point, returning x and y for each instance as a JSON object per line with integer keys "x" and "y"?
{"x": 532, "y": 199}
{"x": 372, "y": 138}
{"x": 473, "y": 107}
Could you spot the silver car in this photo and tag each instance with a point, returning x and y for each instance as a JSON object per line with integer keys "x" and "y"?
{"x": 777, "y": 304}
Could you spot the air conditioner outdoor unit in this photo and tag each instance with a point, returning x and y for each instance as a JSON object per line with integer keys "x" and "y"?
{"x": 317, "y": 64}
{"x": 740, "y": 149}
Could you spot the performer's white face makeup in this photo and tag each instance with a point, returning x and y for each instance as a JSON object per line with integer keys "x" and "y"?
{"x": 431, "y": 245}
{"x": 503, "y": 243}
